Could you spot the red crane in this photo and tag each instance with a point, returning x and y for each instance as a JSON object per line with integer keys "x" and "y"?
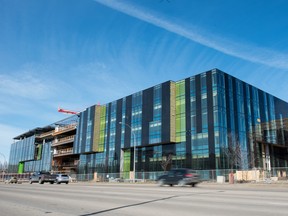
{"x": 67, "y": 111}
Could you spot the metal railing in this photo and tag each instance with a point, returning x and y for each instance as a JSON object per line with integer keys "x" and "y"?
{"x": 63, "y": 129}
{"x": 46, "y": 134}
{"x": 64, "y": 140}
{"x": 63, "y": 152}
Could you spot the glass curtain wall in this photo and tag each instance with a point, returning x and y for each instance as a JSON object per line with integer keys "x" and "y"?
{"x": 155, "y": 125}
{"x": 180, "y": 111}
{"x": 220, "y": 118}
{"x": 123, "y": 120}
{"x": 136, "y": 122}
{"x": 179, "y": 154}
{"x": 199, "y": 140}
{"x": 112, "y": 158}
{"x": 136, "y": 125}
{"x": 23, "y": 150}
{"x": 43, "y": 164}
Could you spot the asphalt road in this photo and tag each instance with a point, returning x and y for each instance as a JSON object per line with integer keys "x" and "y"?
{"x": 88, "y": 199}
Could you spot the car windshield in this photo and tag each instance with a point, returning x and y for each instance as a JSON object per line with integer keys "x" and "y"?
{"x": 45, "y": 173}
{"x": 192, "y": 172}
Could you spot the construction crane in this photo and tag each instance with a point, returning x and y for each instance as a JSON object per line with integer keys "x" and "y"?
{"x": 67, "y": 111}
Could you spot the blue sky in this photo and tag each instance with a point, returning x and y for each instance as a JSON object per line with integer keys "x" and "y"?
{"x": 76, "y": 53}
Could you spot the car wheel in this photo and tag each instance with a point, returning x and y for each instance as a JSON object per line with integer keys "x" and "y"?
{"x": 30, "y": 181}
{"x": 51, "y": 182}
{"x": 181, "y": 183}
{"x": 41, "y": 182}
{"x": 66, "y": 182}
{"x": 160, "y": 183}
{"x": 193, "y": 185}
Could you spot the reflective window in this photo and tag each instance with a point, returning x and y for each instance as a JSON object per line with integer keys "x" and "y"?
{"x": 180, "y": 111}
{"x": 136, "y": 121}
{"x": 156, "y": 125}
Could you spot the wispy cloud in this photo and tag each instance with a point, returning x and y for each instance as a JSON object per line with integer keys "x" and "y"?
{"x": 245, "y": 51}
{"x": 101, "y": 83}
{"x": 24, "y": 85}
{"x": 31, "y": 90}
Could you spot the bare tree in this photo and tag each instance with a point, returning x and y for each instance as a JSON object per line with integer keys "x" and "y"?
{"x": 253, "y": 157}
{"x": 166, "y": 160}
{"x": 233, "y": 152}
{"x": 3, "y": 166}
{"x": 238, "y": 157}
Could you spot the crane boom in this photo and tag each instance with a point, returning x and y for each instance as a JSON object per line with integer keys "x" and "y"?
{"x": 67, "y": 111}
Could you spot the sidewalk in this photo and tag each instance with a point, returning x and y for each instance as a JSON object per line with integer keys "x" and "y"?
{"x": 268, "y": 184}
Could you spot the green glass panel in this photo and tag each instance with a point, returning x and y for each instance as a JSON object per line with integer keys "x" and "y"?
{"x": 21, "y": 167}
{"x": 127, "y": 161}
{"x": 180, "y": 112}
{"x": 102, "y": 128}
{"x": 39, "y": 154}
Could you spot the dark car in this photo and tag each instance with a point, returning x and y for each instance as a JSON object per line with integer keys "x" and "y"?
{"x": 179, "y": 177}
{"x": 62, "y": 178}
{"x": 42, "y": 177}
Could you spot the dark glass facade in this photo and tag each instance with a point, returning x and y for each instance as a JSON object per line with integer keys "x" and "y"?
{"x": 189, "y": 123}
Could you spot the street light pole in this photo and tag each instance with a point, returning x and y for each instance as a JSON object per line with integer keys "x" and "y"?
{"x": 134, "y": 150}
{"x": 4, "y": 164}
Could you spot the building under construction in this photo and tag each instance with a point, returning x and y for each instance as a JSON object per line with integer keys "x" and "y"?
{"x": 210, "y": 121}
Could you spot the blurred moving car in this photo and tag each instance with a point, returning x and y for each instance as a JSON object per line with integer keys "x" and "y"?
{"x": 112, "y": 179}
{"x": 179, "y": 177}
{"x": 12, "y": 180}
{"x": 62, "y": 178}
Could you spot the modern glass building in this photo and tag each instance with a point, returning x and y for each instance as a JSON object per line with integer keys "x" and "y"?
{"x": 210, "y": 121}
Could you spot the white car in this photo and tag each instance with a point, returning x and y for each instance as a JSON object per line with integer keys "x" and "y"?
{"x": 62, "y": 178}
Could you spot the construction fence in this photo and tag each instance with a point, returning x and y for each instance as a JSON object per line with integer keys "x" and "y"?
{"x": 256, "y": 175}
